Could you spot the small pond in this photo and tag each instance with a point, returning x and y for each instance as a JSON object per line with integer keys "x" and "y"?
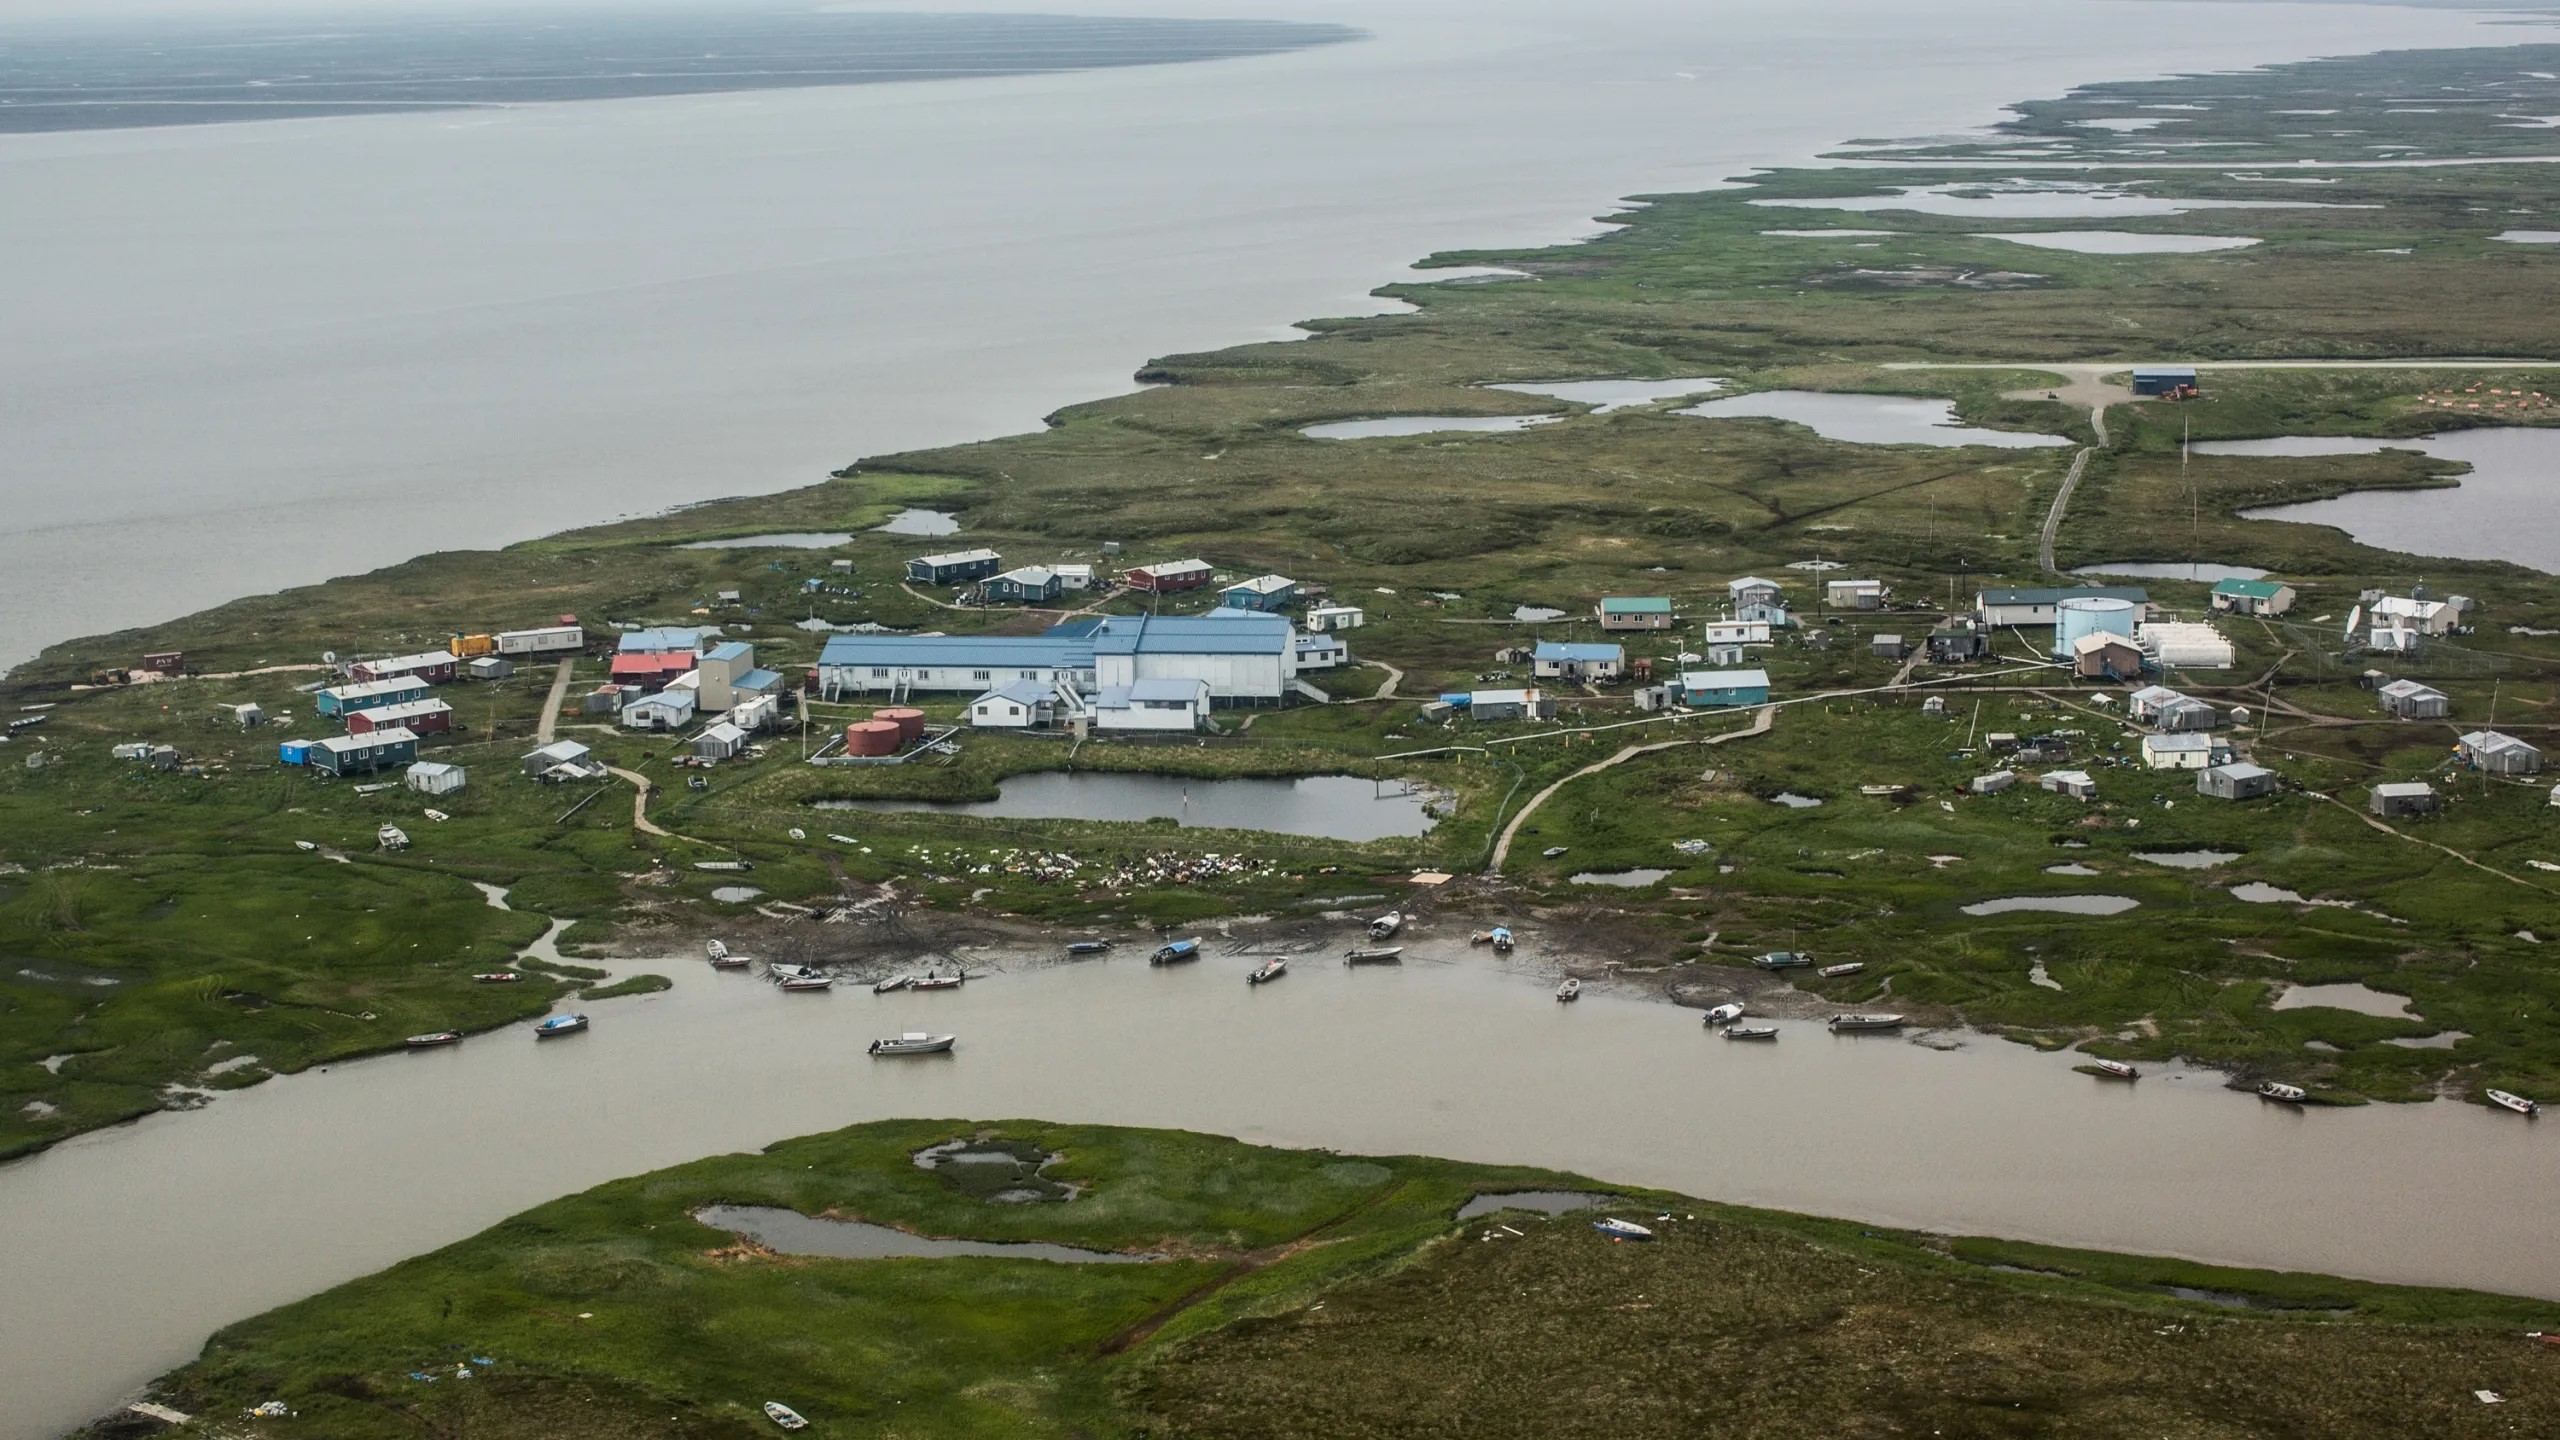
{"x": 2500, "y": 510}
{"x": 1003, "y": 1172}
{"x": 1623, "y": 879}
{"x": 1868, "y": 419}
{"x": 919, "y": 522}
{"x": 2028, "y": 200}
{"x": 1543, "y": 1202}
{"x": 2259, "y": 892}
{"x": 2123, "y": 242}
{"x": 1422, "y": 425}
{"x": 2188, "y": 859}
{"x": 2441, "y": 1040}
{"x": 2072, "y": 868}
{"x": 1535, "y": 613}
{"x": 792, "y": 1233}
{"x": 1793, "y": 801}
{"x": 2202, "y": 571}
{"x": 2057, "y": 904}
{"x": 785, "y": 540}
{"x": 1336, "y": 807}
{"x": 2362, "y": 999}
{"x": 1607, "y": 395}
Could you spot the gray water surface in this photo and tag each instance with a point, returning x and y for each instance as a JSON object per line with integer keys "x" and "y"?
{"x": 1337, "y": 807}
{"x": 1869, "y": 419}
{"x": 2198, "y": 570}
{"x": 1623, "y": 879}
{"x": 919, "y": 522}
{"x": 2362, "y": 999}
{"x": 1541, "y": 1202}
{"x": 2059, "y": 904}
{"x": 2122, "y": 242}
{"x": 1422, "y": 425}
{"x": 792, "y": 1233}
{"x": 2503, "y": 508}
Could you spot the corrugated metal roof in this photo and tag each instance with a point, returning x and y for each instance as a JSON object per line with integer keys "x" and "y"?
{"x": 1192, "y": 635}
{"x": 659, "y": 642}
{"x": 2048, "y": 595}
{"x": 2404, "y": 789}
{"x": 1636, "y": 605}
{"x": 1020, "y": 692}
{"x": 958, "y": 557}
{"x": 375, "y": 740}
{"x": 1167, "y": 688}
{"x": 1724, "y": 679}
{"x": 2254, "y": 589}
{"x": 1038, "y": 652}
{"x": 1577, "y": 653}
{"x": 732, "y": 650}
{"x": 1263, "y": 585}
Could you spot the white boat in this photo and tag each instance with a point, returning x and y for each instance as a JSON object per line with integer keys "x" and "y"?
{"x": 497, "y": 977}
{"x": 729, "y": 961}
{"x": 1386, "y": 925}
{"x": 894, "y": 982}
{"x": 784, "y": 1416}
{"x": 2513, "y": 1101}
{"x": 1617, "y": 1229}
{"x": 2115, "y": 1069}
{"x": 1268, "y": 970}
{"x": 931, "y": 981}
{"x": 1751, "y": 1032}
{"x": 914, "y": 1042}
{"x": 1571, "y": 989}
{"x": 719, "y": 951}
{"x": 1553, "y": 851}
{"x": 1502, "y": 938}
{"x": 2289, "y": 1094}
{"x": 437, "y": 816}
{"x": 1834, "y": 972}
{"x": 1384, "y": 955}
{"x": 1726, "y": 1013}
{"x": 304, "y": 845}
{"x": 1866, "y": 1022}
{"x": 808, "y": 982}
{"x": 433, "y": 1039}
{"x": 392, "y": 837}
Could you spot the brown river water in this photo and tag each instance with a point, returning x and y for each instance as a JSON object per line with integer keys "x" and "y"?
{"x": 129, "y": 1246}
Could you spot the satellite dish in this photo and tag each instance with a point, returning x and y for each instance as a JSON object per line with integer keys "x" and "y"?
{"x": 2355, "y": 617}
{"x": 328, "y": 657}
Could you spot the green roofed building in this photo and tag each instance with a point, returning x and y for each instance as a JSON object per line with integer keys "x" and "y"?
{"x": 1635, "y": 612}
{"x": 2253, "y": 597}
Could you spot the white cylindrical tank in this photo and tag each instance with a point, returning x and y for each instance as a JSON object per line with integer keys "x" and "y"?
{"x": 2087, "y": 615}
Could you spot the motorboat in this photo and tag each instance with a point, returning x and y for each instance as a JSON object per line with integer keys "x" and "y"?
{"x": 434, "y": 1038}
{"x": 914, "y": 1042}
{"x": 437, "y": 816}
{"x": 1553, "y": 851}
{"x": 2514, "y": 1102}
{"x": 1175, "y": 953}
{"x": 1834, "y": 972}
{"x": 2115, "y": 1070}
{"x": 1571, "y": 989}
{"x": 1726, "y": 1013}
{"x": 1866, "y": 1022}
{"x": 1617, "y": 1229}
{"x": 808, "y": 982}
{"x": 2277, "y": 1090}
{"x": 1502, "y": 938}
{"x": 304, "y": 846}
{"x": 1751, "y": 1032}
{"x": 392, "y": 837}
{"x": 497, "y": 977}
{"x": 931, "y": 981}
{"x": 719, "y": 951}
{"x": 559, "y": 1025}
{"x": 1088, "y": 947}
{"x": 729, "y": 962}
{"x": 1385, "y": 955}
{"x": 894, "y": 982}
{"x": 1784, "y": 960}
{"x": 784, "y": 1416}
{"x": 785, "y": 970}
{"x": 1386, "y": 925}
{"x": 1268, "y": 970}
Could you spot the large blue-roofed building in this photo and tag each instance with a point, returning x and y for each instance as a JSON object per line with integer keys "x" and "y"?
{"x": 1245, "y": 659}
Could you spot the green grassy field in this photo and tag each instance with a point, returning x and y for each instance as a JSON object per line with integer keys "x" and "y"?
{"x": 1308, "y": 1292}
{"x": 206, "y": 937}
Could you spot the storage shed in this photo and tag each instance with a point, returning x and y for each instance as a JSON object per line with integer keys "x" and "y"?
{"x": 957, "y": 567}
{"x": 2403, "y": 797}
{"x": 431, "y": 777}
{"x": 666, "y": 710}
{"x": 490, "y": 667}
{"x": 1635, "y": 612}
{"x": 2498, "y": 754}
{"x": 1160, "y": 704}
{"x": 2164, "y": 381}
{"x": 2074, "y": 783}
{"x": 2101, "y": 656}
{"x": 1993, "y": 783}
{"x": 1854, "y": 594}
{"x": 1510, "y": 705}
{"x": 1889, "y": 647}
{"x": 1958, "y": 642}
{"x": 1706, "y": 689}
{"x": 2409, "y": 700}
{"x": 2238, "y": 780}
{"x": 1326, "y": 618}
{"x": 561, "y": 760}
{"x": 2182, "y": 752}
{"x": 719, "y": 741}
{"x": 2252, "y": 597}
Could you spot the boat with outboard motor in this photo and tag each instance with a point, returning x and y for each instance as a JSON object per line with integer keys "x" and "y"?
{"x": 2279, "y": 1091}
{"x": 1267, "y": 971}
{"x": 929, "y": 980}
{"x": 1385, "y": 955}
{"x": 1386, "y": 925}
{"x": 914, "y": 1042}
{"x": 2512, "y": 1101}
{"x": 433, "y": 1038}
{"x": 1751, "y": 1032}
{"x": 1726, "y": 1013}
{"x": 1866, "y": 1022}
{"x": 1571, "y": 989}
{"x": 1175, "y": 953}
{"x": 559, "y": 1025}
{"x": 2115, "y": 1070}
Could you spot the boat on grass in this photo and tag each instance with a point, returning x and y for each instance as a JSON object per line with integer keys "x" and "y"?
{"x": 2278, "y": 1090}
{"x": 433, "y": 1038}
{"x": 2115, "y": 1070}
{"x": 914, "y": 1042}
{"x": 305, "y": 846}
{"x": 1088, "y": 947}
{"x": 1268, "y": 970}
{"x": 932, "y": 981}
{"x": 1751, "y": 1032}
{"x": 392, "y": 837}
{"x": 1866, "y": 1022}
{"x": 559, "y": 1025}
{"x": 1834, "y": 972}
{"x": 2513, "y": 1101}
{"x": 1617, "y": 1229}
{"x": 497, "y": 977}
{"x": 1175, "y": 953}
{"x": 1386, "y": 925}
{"x": 1384, "y": 955}
{"x": 784, "y": 1416}
{"x": 1784, "y": 960}
{"x": 1571, "y": 989}
{"x": 1726, "y": 1013}
{"x": 894, "y": 982}
{"x": 1553, "y": 851}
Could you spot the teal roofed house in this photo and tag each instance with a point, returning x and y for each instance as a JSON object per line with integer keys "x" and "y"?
{"x": 2253, "y": 597}
{"x": 1635, "y": 612}
{"x": 1705, "y": 689}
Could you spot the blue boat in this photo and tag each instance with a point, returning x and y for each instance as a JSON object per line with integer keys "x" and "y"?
{"x": 559, "y": 1025}
{"x": 1176, "y": 953}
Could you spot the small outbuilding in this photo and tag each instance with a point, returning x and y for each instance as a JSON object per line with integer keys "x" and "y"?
{"x": 431, "y": 777}
{"x": 1019, "y": 705}
{"x": 561, "y": 760}
{"x": 1324, "y": 619}
{"x": 1854, "y": 594}
{"x": 1889, "y": 647}
{"x": 2252, "y": 597}
{"x": 719, "y": 741}
{"x": 2170, "y": 382}
{"x": 1993, "y": 783}
{"x": 2403, "y": 797}
{"x": 2183, "y": 751}
{"x": 1581, "y": 663}
{"x": 2497, "y": 754}
{"x": 2238, "y": 780}
{"x": 2074, "y": 783}
{"x": 490, "y": 667}
{"x": 1159, "y": 703}
{"x": 1958, "y": 642}
{"x": 2102, "y": 655}
{"x": 2409, "y": 700}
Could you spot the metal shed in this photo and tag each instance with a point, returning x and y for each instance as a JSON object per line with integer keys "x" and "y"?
{"x": 2409, "y": 700}
{"x": 430, "y": 777}
{"x": 2403, "y": 797}
{"x": 2499, "y": 754}
{"x": 1889, "y": 647}
{"x": 2164, "y": 380}
{"x": 2238, "y": 780}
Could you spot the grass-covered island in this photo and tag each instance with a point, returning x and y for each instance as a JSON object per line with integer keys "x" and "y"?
{"x": 197, "y": 914}
{"x": 1295, "y": 1292}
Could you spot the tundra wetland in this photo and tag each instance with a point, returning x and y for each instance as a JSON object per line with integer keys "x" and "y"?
{"x": 171, "y": 932}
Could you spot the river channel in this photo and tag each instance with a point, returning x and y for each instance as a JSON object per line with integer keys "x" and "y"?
{"x": 129, "y": 1246}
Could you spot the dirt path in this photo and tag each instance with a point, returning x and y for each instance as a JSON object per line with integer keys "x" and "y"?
{"x": 640, "y": 820}
{"x": 2430, "y": 844}
{"x": 2061, "y": 504}
{"x": 1760, "y": 720}
{"x": 551, "y": 708}
{"x": 1386, "y": 688}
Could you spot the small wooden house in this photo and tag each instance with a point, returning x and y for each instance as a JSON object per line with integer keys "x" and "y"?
{"x": 1029, "y": 585}
{"x": 2403, "y": 798}
{"x": 1166, "y": 577}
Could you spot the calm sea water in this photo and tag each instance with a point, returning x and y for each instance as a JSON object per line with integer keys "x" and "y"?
{"x": 245, "y": 356}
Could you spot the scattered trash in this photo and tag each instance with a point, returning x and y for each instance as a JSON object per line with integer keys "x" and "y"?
{"x": 2489, "y": 1397}
{"x": 269, "y": 1410}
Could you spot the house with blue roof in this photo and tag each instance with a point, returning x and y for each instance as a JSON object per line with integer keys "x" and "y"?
{"x": 660, "y": 642}
{"x": 1581, "y": 663}
{"x": 1245, "y": 657}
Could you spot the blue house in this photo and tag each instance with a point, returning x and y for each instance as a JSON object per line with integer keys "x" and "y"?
{"x": 369, "y": 695}
{"x": 1030, "y": 585}
{"x": 364, "y": 754}
{"x": 1559, "y": 660}
{"x": 1707, "y": 689}
{"x": 1263, "y": 592}
{"x": 2163, "y": 379}
{"x": 295, "y": 752}
{"x": 959, "y": 567}
{"x": 1769, "y": 613}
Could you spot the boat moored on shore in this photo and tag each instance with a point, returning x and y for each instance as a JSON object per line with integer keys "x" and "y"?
{"x": 1866, "y": 1022}
{"x": 1617, "y": 1229}
{"x": 1386, "y": 925}
{"x": 784, "y": 1416}
{"x": 2115, "y": 1070}
{"x": 1089, "y": 947}
{"x": 2512, "y": 1101}
{"x": 1726, "y": 1013}
{"x": 1571, "y": 989}
{"x": 1751, "y": 1032}
{"x": 2279, "y": 1091}
{"x": 1385, "y": 955}
{"x": 718, "y": 951}
{"x": 433, "y": 1039}
{"x": 893, "y": 982}
{"x": 1784, "y": 960}
{"x": 929, "y": 980}
{"x": 1175, "y": 953}
{"x": 1834, "y": 972}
